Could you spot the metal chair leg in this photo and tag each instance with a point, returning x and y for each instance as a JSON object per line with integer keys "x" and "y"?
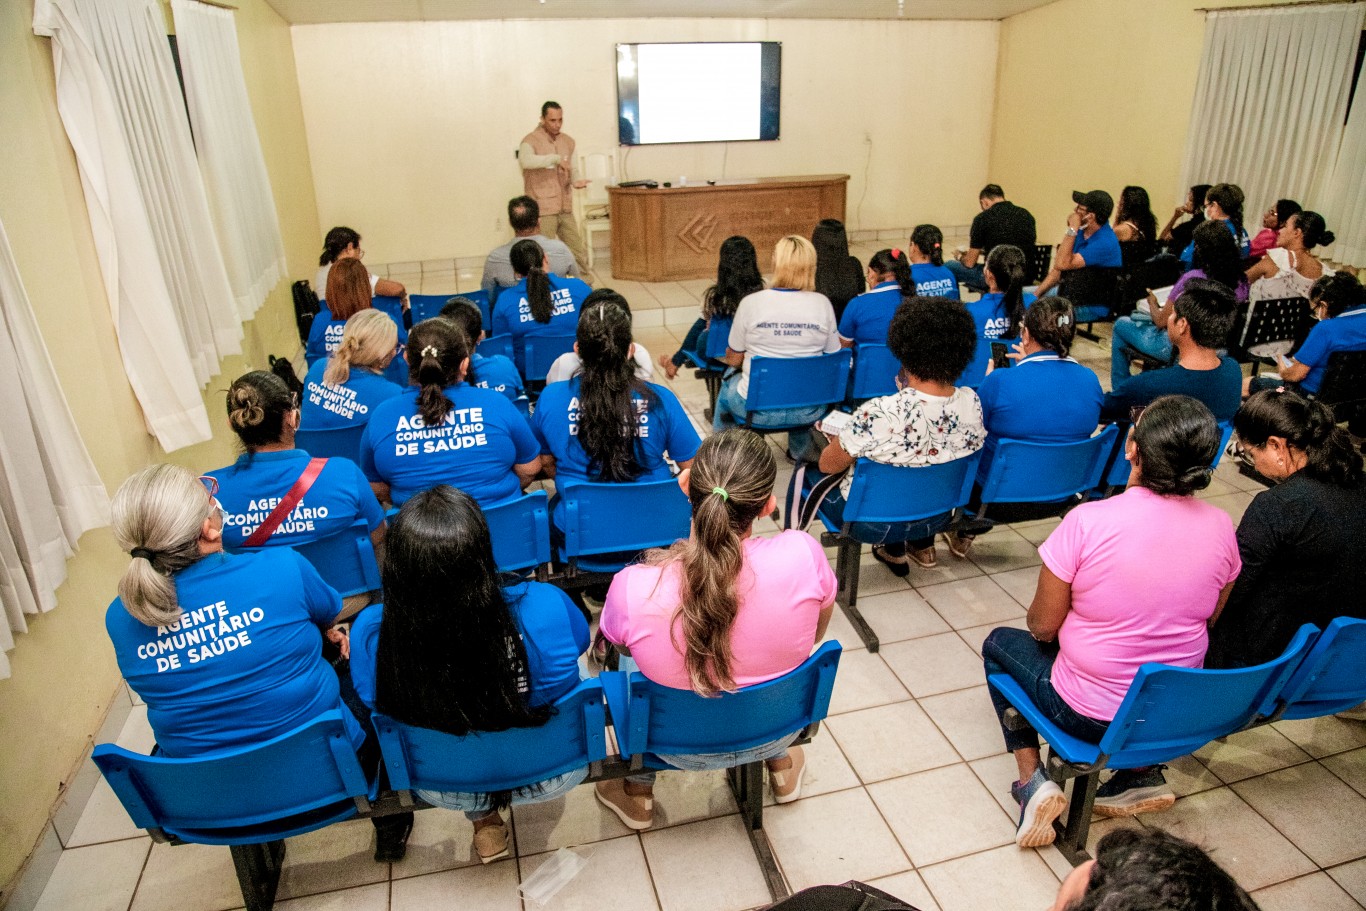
{"x": 747, "y": 783}
{"x": 258, "y": 873}
{"x": 846, "y": 574}
{"x": 1072, "y": 836}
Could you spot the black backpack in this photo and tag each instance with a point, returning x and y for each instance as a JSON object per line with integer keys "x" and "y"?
{"x": 852, "y": 896}
{"x": 284, "y": 369}
{"x": 305, "y": 308}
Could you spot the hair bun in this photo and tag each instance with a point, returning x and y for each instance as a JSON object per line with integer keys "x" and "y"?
{"x": 1319, "y": 422}
{"x": 1197, "y": 478}
{"x": 1326, "y": 238}
{"x": 247, "y": 410}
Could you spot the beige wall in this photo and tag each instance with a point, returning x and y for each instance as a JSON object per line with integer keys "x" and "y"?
{"x": 1096, "y": 94}
{"x": 412, "y": 126}
{"x": 63, "y": 668}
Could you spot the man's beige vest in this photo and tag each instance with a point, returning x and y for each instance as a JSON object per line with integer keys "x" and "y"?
{"x": 551, "y": 191}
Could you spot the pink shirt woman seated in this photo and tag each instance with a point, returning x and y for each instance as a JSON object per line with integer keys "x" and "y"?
{"x": 693, "y": 616}
{"x": 1136, "y": 578}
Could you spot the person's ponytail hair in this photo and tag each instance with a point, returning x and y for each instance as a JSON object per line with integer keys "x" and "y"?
{"x": 369, "y": 340}
{"x": 258, "y": 403}
{"x": 1307, "y": 425}
{"x": 437, "y": 349}
{"x": 1313, "y": 229}
{"x": 1052, "y": 323}
{"x": 1006, "y": 263}
{"x": 337, "y": 240}
{"x": 528, "y": 259}
{"x": 608, "y": 422}
{"x": 737, "y": 277}
{"x": 896, "y": 264}
{"x": 1177, "y": 439}
{"x": 929, "y": 240}
{"x": 157, "y": 515}
{"x": 729, "y": 484}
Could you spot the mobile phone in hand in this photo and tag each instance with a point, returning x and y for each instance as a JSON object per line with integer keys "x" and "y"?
{"x": 999, "y": 357}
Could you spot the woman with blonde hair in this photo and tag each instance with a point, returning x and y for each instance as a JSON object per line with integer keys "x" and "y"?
{"x": 341, "y": 391}
{"x": 697, "y": 616}
{"x": 348, "y": 293}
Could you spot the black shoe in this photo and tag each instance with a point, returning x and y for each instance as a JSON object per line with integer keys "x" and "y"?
{"x": 391, "y": 839}
{"x": 899, "y": 565}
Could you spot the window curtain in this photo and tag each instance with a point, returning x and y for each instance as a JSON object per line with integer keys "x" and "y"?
{"x": 229, "y": 152}
{"x": 50, "y": 493}
{"x": 167, "y": 286}
{"x": 1270, "y": 101}
{"x": 1344, "y": 202}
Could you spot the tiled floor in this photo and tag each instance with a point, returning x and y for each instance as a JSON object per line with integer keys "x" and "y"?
{"x": 907, "y": 783}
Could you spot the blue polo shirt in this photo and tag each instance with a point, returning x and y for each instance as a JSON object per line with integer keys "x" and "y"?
{"x": 328, "y": 406}
{"x": 867, "y": 317}
{"x": 934, "y": 281}
{"x": 512, "y": 314}
{"x": 498, "y": 373}
{"x": 243, "y": 663}
{"x": 1344, "y": 332}
{"x": 990, "y": 316}
{"x": 1042, "y": 398}
{"x": 474, "y": 449}
{"x": 325, "y": 335}
{"x": 253, "y": 485}
{"x": 1244, "y": 245}
{"x": 553, "y": 631}
{"x": 1100, "y": 249}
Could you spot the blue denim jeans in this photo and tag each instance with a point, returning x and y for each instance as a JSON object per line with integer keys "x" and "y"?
{"x": 1016, "y": 653}
{"x": 730, "y": 410}
{"x": 476, "y": 806}
{"x": 1140, "y": 334}
{"x": 972, "y": 279}
{"x": 695, "y": 342}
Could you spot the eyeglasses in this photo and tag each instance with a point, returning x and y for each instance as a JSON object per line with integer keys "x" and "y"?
{"x": 210, "y": 484}
{"x": 1237, "y": 451}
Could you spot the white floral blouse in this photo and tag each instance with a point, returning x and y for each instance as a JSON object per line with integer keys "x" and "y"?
{"x": 912, "y": 428}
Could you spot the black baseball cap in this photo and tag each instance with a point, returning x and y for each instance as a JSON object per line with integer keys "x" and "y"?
{"x": 1097, "y": 202}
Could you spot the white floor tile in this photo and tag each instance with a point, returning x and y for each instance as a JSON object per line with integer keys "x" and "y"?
{"x": 974, "y": 636}
{"x": 440, "y": 840}
{"x": 1314, "y": 809}
{"x": 575, "y": 819}
{"x": 338, "y": 857}
{"x": 1248, "y": 753}
{"x": 898, "y": 615}
{"x": 188, "y": 878}
{"x": 890, "y": 741}
{"x": 683, "y": 797}
{"x": 104, "y": 819}
{"x": 616, "y": 877}
{"x": 934, "y": 664}
{"x": 968, "y": 720}
{"x": 1003, "y": 550}
{"x": 1317, "y": 891}
{"x": 827, "y": 767}
{"x": 679, "y": 854}
{"x": 491, "y": 887}
{"x": 941, "y": 814}
{"x": 1352, "y": 878}
{"x": 972, "y": 602}
{"x": 863, "y": 681}
{"x": 980, "y": 882}
{"x": 1350, "y": 767}
{"x": 96, "y": 878}
{"x": 908, "y": 887}
{"x": 1320, "y": 737}
{"x": 832, "y": 838}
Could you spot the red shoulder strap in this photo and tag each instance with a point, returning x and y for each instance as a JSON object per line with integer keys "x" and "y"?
{"x": 286, "y": 506}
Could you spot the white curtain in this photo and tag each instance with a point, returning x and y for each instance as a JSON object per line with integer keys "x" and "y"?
{"x": 1270, "y": 101}
{"x": 229, "y": 152}
{"x": 168, "y": 288}
{"x": 50, "y": 493}
{"x": 1344, "y": 200}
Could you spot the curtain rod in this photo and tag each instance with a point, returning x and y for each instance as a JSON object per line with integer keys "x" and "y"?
{"x": 1243, "y": 9}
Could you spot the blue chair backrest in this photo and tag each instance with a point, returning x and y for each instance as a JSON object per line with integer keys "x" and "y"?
{"x": 718, "y": 334}
{"x": 246, "y": 795}
{"x": 496, "y": 344}
{"x": 340, "y": 442}
{"x": 976, "y": 370}
{"x": 607, "y": 518}
{"x": 422, "y": 759}
{"x": 521, "y": 532}
{"x": 1121, "y": 467}
{"x": 651, "y": 718}
{"x": 346, "y": 560}
{"x": 1332, "y": 677}
{"x": 541, "y": 352}
{"x": 1171, "y": 711}
{"x": 1026, "y": 472}
{"x": 428, "y": 306}
{"x": 390, "y": 305}
{"x": 897, "y": 493}
{"x": 797, "y": 382}
{"x": 875, "y": 372}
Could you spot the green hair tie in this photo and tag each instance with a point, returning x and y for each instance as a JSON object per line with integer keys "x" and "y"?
{"x": 722, "y": 491}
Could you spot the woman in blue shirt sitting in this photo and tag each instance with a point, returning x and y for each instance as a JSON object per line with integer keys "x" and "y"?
{"x": 442, "y": 430}
{"x": 340, "y": 392}
{"x": 453, "y": 650}
{"x": 582, "y": 422}
{"x": 932, "y": 278}
{"x": 348, "y": 293}
{"x": 999, "y": 313}
{"x": 539, "y": 305}
{"x": 867, "y": 317}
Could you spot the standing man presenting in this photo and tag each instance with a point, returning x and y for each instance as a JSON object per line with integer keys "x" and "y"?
{"x": 547, "y": 159}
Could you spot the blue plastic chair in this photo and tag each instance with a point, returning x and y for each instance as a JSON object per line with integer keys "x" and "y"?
{"x": 1021, "y": 471}
{"x": 521, "y": 533}
{"x": 346, "y": 560}
{"x": 620, "y": 518}
{"x": 249, "y": 798}
{"x": 340, "y": 442}
{"x": 428, "y": 306}
{"x": 887, "y": 494}
{"x": 795, "y": 382}
{"x": 392, "y": 306}
{"x": 496, "y": 345}
{"x": 1117, "y": 476}
{"x": 1332, "y": 678}
{"x": 1167, "y": 713}
{"x": 541, "y": 352}
{"x": 976, "y": 370}
{"x": 875, "y": 372}
{"x": 709, "y": 367}
{"x": 486, "y": 762}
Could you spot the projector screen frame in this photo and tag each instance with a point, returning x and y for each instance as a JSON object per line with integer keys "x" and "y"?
{"x": 770, "y": 92}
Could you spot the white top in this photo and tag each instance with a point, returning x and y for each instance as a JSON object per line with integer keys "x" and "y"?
{"x": 568, "y": 365}
{"x": 1286, "y": 282}
{"x": 781, "y": 323}
{"x": 320, "y": 281}
{"x": 910, "y": 427}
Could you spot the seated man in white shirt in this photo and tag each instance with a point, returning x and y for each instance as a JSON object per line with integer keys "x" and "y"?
{"x": 524, "y": 217}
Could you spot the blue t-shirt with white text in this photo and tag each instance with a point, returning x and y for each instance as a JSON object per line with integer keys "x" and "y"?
{"x": 990, "y": 316}
{"x": 1344, "y": 332}
{"x": 328, "y": 406}
{"x": 498, "y": 373}
{"x": 324, "y": 338}
{"x": 934, "y": 281}
{"x": 512, "y": 314}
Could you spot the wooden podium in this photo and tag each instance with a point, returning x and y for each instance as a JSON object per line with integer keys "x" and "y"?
{"x": 672, "y": 233}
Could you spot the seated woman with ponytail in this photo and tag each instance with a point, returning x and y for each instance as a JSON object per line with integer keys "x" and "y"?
{"x": 1303, "y": 542}
{"x": 605, "y": 424}
{"x": 999, "y": 313}
{"x": 348, "y": 293}
{"x": 540, "y": 304}
{"x": 343, "y": 390}
{"x": 275, "y": 494}
{"x": 442, "y": 430}
{"x": 453, "y": 650}
{"x": 722, "y": 610}
{"x": 932, "y": 277}
{"x": 866, "y": 318}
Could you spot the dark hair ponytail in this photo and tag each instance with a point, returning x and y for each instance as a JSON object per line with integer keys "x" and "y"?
{"x": 1177, "y": 439}
{"x": 1308, "y": 426}
{"x": 737, "y": 277}
{"x": 337, "y": 240}
{"x": 896, "y": 264}
{"x": 436, "y": 349}
{"x": 608, "y": 422}
{"x": 529, "y": 259}
{"x": 1006, "y": 263}
{"x": 929, "y": 240}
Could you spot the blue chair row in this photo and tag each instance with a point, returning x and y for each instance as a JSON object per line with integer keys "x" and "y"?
{"x": 875, "y": 373}
{"x": 252, "y": 798}
{"x": 1170, "y": 712}
{"x": 542, "y": 352}
{"x": 1117, "y": 474}
{"x": 427, "y": 306}
{"x": 709, "y": 367}
{"x": 796, "y": 382}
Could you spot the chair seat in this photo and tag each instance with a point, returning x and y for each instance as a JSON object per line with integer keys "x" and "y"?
{"x": 274, "y": 830}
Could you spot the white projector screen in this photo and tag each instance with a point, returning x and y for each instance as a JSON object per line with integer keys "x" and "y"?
{"x": 713, "y": 92}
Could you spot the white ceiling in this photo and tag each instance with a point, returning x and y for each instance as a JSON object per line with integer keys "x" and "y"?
{"x": 300, "y": 12}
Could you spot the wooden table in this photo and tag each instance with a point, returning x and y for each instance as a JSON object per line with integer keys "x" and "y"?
{"x": 672, "y": 233}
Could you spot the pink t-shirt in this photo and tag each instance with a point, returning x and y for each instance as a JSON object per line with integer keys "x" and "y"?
{"x": 784, "y": 583}
{"x": 1146, "y": 571}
